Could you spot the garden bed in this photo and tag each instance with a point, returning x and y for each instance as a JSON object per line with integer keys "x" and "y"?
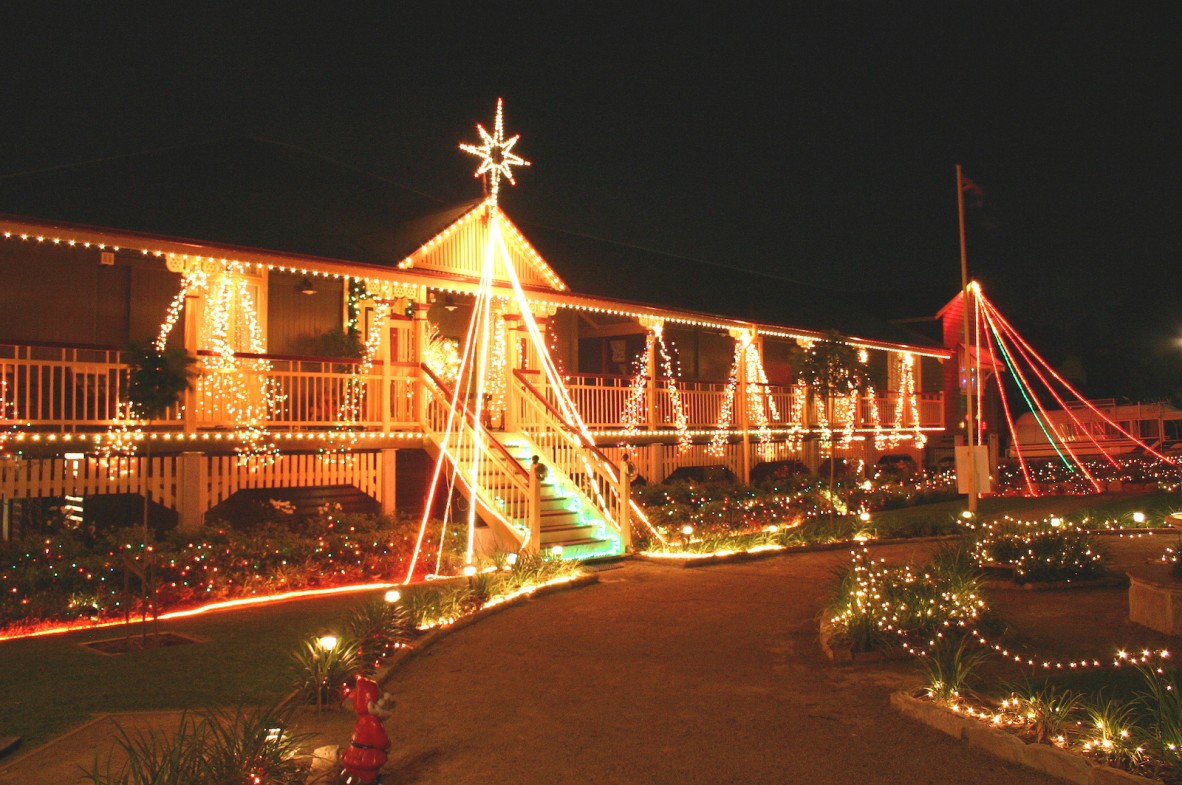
{"x": 1047, "y": 758}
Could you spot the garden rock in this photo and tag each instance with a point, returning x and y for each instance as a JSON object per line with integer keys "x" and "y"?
{"x": 996, "y": 741}
{"x": 1106, "y": 775}
{"x": 1059, "y": 763}
{"x": 326, "y": 767}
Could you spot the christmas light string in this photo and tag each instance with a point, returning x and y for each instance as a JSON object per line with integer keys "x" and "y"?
{"x": 760, "y": 407}
{"x": 979, "y": 381}
{"x": 8, "y": 422}
{"x": 1034, "y": 411}
{"x": 635, "y": 410}
{"x": 906, "y": 404}
{"x": 1023, "y": 383}
{"x": 726, "y": 412}
{"x": 1005, "y": 406}
{"x": 1075, "y": 393}
{"x": 680, "y": 418}
{"x": 356, "y": 390}
{"x": 796, "y": 426}
{"x": 498, "y": 364}
{"x": 1026, "y": 356}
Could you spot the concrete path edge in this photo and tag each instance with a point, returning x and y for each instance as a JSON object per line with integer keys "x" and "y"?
{"x": 1050, "y": 760}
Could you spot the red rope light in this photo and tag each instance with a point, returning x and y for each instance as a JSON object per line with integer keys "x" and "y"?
{"x": 1041, "y": 408}
{"x": 1005, "y": 405}
{"x": 1078, "y": 395}
{"x": 1012, "y": 334}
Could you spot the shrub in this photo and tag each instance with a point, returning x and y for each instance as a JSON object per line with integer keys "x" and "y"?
{"x": 323, "y": 672}
{"x": 1046, "y": 551}
{"x": 218, "y": 747}
{"x": 949, "y": 665}
{"x": 378, "y": 627}
{"x": 910, "y": 605}
{"x": 1112, "y": 733}
{"x": 1161, "y": 705}
{"x": 1048, "y": 712}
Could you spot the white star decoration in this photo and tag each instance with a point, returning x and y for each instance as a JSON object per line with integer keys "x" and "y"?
{"x": 497, "y": 155}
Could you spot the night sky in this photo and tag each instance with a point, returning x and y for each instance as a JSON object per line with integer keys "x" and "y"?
{"x": 816, "y": 142}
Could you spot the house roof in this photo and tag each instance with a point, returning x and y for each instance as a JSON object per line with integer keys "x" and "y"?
{"x": 611, "y": 270}
{"x": 258, "y": 194}
{"x": 244, "y": 192}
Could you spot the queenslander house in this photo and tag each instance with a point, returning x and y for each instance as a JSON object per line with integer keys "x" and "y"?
{"x": 329, "y": 311}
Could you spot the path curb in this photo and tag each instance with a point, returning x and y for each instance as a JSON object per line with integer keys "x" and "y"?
{"x": 425, "y": 642}
{"x": 1050, "y": 760}
{"x": 741, "y": 556}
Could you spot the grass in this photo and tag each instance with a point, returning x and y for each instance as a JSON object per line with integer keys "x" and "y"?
{"x": 1107, "y": 504}
{"x": 52, "y": 684}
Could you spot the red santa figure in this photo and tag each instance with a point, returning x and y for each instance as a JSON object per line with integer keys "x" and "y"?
{"x": 366, "y": 755}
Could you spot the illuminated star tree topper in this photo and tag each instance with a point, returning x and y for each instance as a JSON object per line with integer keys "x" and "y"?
{"x": 496, "y": 153}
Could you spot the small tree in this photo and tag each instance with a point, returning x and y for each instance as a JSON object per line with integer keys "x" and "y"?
{"x": 157, "y": 378}
{"x": 830, "y": 368}
{"x": 157, "y": 381}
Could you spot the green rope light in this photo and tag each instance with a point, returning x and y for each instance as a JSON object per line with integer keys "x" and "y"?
{"x": 1021, "y": 388}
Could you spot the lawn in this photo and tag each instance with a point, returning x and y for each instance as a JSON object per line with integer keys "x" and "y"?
{"x": 51, "y": 684}
{"x": 908, "y": 520}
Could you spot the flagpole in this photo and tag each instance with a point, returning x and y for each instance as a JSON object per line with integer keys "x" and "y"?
{"x": 971, "y": 463}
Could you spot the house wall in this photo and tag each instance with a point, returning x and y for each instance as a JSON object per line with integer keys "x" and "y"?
{"x": 63, "y": 294}
{"x": 302, "y": 324}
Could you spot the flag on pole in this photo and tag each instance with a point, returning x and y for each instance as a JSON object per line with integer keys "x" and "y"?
{"x": 973, "y": 194}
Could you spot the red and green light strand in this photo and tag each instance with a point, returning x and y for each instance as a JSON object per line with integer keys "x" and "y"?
{"x": 1013, "y": 348}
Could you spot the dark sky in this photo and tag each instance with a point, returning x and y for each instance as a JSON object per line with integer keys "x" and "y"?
{"x": 814, "y": 141}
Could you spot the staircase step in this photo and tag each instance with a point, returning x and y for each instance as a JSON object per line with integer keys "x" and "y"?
{"x": 564, "y": 535}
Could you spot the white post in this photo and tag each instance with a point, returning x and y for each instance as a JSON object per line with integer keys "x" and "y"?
{"x": 192, "y": 480}
{"x": 534, "y": 510}
{"x": 625, "y": 491}
{"x": 389, "y": 478}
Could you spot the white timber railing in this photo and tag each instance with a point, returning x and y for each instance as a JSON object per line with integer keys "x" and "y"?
{"x": 502, "y": 483}
{"x": 52, "y": 387}
{"x": 569, "y": 451}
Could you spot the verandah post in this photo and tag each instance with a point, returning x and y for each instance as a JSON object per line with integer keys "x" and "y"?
{"x": 534, "y": 512}
{"x": 625, "y": 467}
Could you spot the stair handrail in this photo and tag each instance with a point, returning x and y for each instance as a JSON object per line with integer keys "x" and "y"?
{"x": 470, "y": 419}
{"x": 518, "y": 514}
{"x": 599, "y": 464}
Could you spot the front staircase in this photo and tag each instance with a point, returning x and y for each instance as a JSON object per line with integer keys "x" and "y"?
{"x": 553, "y": 516}
{"x": 568, "y": 522}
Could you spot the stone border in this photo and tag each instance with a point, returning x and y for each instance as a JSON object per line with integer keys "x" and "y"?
{"x": 741, "y": 556}
{"x": 430, "y": 638}
{"x": 1053, "y": 761}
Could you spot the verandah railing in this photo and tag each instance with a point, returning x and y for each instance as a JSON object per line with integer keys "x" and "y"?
{"x": 601, "y": 400}
{"x": 502, "y": 483}
{"x": 55, "y": 387}
{"x": 539, "y": 417}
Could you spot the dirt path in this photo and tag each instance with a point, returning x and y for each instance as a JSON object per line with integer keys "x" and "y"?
{"x": 663, "y": 675}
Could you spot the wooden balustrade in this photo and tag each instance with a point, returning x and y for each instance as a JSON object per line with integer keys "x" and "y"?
{"x": 62, "y": 388}
{"x": 53, "y": 387}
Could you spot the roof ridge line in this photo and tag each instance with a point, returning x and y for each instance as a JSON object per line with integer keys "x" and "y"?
{"x": 683, "y": 257}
